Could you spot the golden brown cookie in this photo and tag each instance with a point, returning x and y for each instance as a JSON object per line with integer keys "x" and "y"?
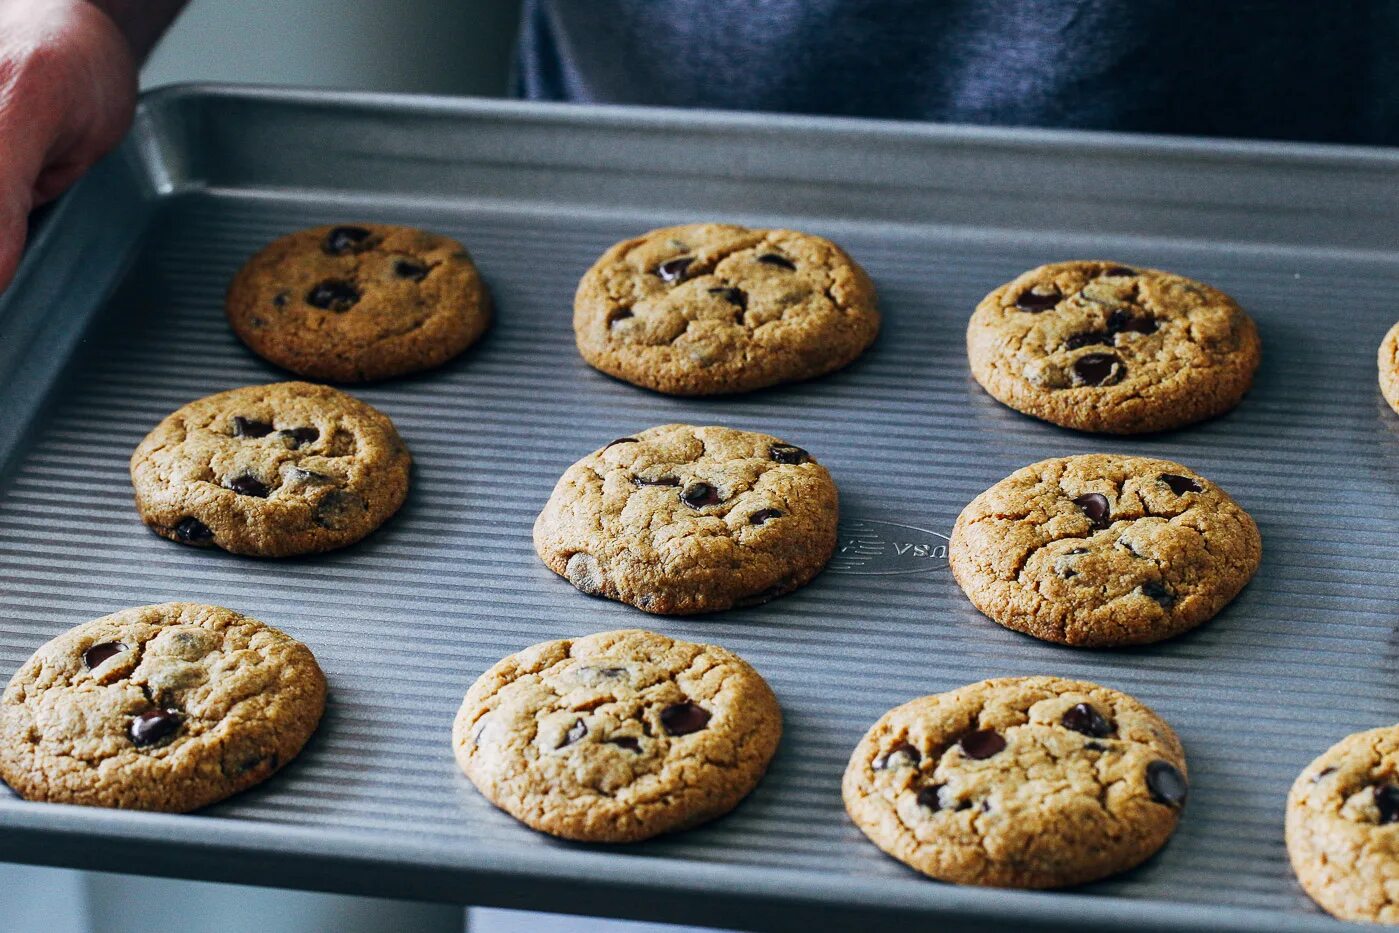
{"x": 1389, "y": 367}
{"x": 706, "y": 309}
{"x": 352, "y": 303}
{"x": 1343, "y": 827}
{"x": 1025, "y": 782}
{"x": 1099, "y": 346}
{"x": 1102, "y": 549}
{"x": 681, "y": 519}
{"x": 271, "y": 471}
{"x": 617, "y": 737}
{"x": 169, "y": 707}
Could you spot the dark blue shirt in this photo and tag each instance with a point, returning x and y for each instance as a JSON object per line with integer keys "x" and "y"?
{"x": 1324, "y": 70}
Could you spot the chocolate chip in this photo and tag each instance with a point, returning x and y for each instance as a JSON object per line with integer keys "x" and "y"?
{"x": 1118, "y": 270}
{"x": 1322, "y": 773}
{"x": 300, "y": 437}
{"x": 673, "y": 270}
{"x": 246, "y": 485}
{"x": 1084, "y": 718}
{"x": 1035, "y": 302}
{"x": 1387, "y": 800}
{"x": 1087, "y": 338}
{"x": 1121, "y": 320}
{"x": 982, "y": 744}
{"x": 764, "y": 515}
{"x": 1180, "y": 485}
{"x": 333, "y": 295}
{"x": 776, "y": 259}
{"x": 698, "y": 495}
{"x": 410, "y": 269}
{"x": 575, "y": 732}
{"x": 622, "y": 440}
{"x": 263, "y": 763}
{"x": 280, "y": 300}
{"x": 1156, "y": 591}
{"x": 1097, "y": 369}
{"x": 732, "y": 295}
{"x": 659, "y": 481}
{"x": 931, "y": 797}
{"x": 684, "y": 718}
{"x": 246, "y": 427}
{"x": 610, "y": 673}
{"x": 627, "y": 742}
{"x": 618, "y": 314}
{"x": 342, "y": 240}
{"x": 787, "y": 453}
{"x": 1165, "y": 783}
{"x": 1095, "y": 506}
{"x": 191, "y": 530}
{"x": 301, "y": 475}
{"x": 901, "y": 755}
{"x": 153, "y": 725}
{"x": 1095, "y": 746}
{"x": 94, "y": 656}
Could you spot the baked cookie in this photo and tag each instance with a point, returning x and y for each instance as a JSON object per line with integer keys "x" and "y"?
{"x": 1389, "y": 367}
{"x": 1101, "y": 549}
{"x": 1343, "y": 827}
{"x": 617, "y": 737}
{"x": 1023, "y": 782}
{"x": 168, "y": 707}
{"x": 680, "y": 519}
{"x": 707, "y": 309}
{"x": 1099, "y": 346}
{"x": 352, "y": 303}
{"x": 274, "y": 470}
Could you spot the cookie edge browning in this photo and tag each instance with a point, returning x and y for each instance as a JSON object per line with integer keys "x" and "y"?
{"x": 634, "y": 370}
{"x": 372, "y": 364}
{"x": 280, "y": 546}
{"x": 885, "y": 831}
{"x": 1183, "y": 407}
{"x": 508, "y": 669}
{"x": 1028, "y": 624}
{"x": 685, "y": 602}
{"x": 1307, "y": 853}
{"x": 289, "y": 737}
{"x": 1389, "y": 367}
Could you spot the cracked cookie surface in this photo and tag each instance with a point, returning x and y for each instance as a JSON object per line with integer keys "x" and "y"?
{"x": 1101, "y": 549}
{"x": 705, "y": 309}
{"x": 1030, "y": 782}
{"x": 680, "y": 519}
{"x": 271, "y": 471}
{"x": 1343, "y": 827}
{"x": 352, "y": 303}
{"x": 169, "y": 707}
{"x": 617, "y": 737}
{"x": 1099, "y": 346}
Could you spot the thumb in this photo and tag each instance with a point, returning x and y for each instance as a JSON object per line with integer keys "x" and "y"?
{"x": 15, "y": 200}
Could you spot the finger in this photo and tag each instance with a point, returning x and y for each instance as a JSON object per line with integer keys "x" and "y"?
{"x": 14, "y": 220}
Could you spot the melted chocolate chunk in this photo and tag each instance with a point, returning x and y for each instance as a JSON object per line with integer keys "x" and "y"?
{"x": 900, "y": 756}
{"x": 246, "y": 427}
{"x": 982, "y": 744}
{"x": 627, "y": 742}
{"x": 698, "y": 495}
{"x": 153, "y": 726}
{"x": 1165, "y": 783}
{"x": 1097, "y": 369}
{"x": 1084, "y": 718}
{"x": 342, "y": 240}
{"x": 734, "y": 296}
{"x": 931, "y": 797}
{"x": 575, "y": 732}
{"x": 661, "y": 481}
{"x": 191, "y": 530}
{"x": 1180, "y": 485}
{"x": 94, "y": 656}
{"x": 619, "y": 314}
{"x": 246, "y": 485}
{"x": 684, "y": 718}
{"x": 333, "y": 295}
{"x": 1095, "y": 506}
{"x": 1159, "y": 593}
{"x": 1118, "y": 271}
{"x": 300, "y": 437}
{"x": 280, "y": 299}
{"x": 787, "y": 453}
{"x": 673, "y": 270}
{"x": 1122, "y": 320}
{"x": 1087, "y": 338}
{"x": 410, "y": 269}
{"x": 1387, "y": 801}
{"x": 1035, "y": 302}
{"x": 764, "y": 515}
{"x": 776, "y": 259}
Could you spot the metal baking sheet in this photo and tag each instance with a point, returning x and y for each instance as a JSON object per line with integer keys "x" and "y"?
{"x": 117, "y": 319}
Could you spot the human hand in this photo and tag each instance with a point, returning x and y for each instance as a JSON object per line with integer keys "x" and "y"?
{"x": 67, "y": 94}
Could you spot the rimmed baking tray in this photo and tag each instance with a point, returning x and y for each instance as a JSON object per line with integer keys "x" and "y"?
{"x": 116, "y": 319}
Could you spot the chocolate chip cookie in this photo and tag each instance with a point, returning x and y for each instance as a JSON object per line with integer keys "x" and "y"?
{"x": 1343, "y": 827}
{"x": 1099, "y": 346}
{"x": 617, "y": 737}
{"x": 1101, "y": 549}
{"x": 706, "y": 309}
{"x": 1389, "y": 367}
{"x": 1024, "y": 782}
{"x": 274, "y": 470}
{"x": 352, "y": 303}
{"x": 168, "y": 707}
{"x": 679, "y": 519}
